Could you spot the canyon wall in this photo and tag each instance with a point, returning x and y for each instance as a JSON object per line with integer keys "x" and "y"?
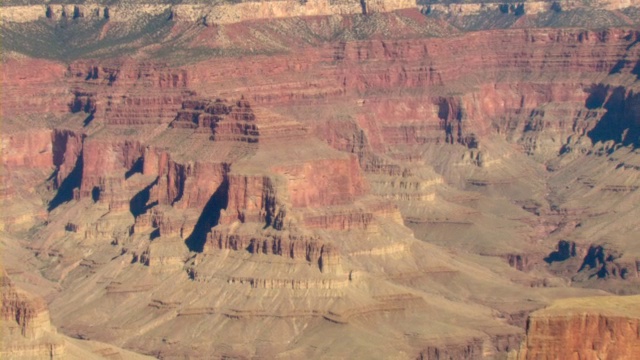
{"x": 588, "y": 328}
{"x": 347, "y": 188}
{"x": 253, "y": 10}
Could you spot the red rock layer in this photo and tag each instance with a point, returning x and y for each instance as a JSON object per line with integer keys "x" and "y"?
{"x": 582, "y": 336}
{"x": 27, "y": 149}
{"x": 127, "y": 93}
{"x": 33, "y": 86}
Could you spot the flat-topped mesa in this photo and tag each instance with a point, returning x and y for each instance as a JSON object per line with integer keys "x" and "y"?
{"x": 221, "y": 13}
{"x": 528, "y": 7}
{"x": 235, "y": 121}
{"x": 227, "y": 13}
{"x": 585, "y": 328}
{"x": 324, "y": 182}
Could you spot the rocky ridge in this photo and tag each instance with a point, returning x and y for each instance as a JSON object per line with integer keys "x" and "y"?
{"x": 228, "y": 13}
{"x": 291, "y": 191}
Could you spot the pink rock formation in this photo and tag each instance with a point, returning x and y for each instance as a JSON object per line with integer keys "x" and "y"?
{"x": 285, "y": 206}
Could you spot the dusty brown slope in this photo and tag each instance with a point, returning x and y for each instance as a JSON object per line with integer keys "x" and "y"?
{"x": 262, "y": 188}
{"x": 26, "y": 332}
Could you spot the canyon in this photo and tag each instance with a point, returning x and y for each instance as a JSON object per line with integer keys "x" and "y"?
{"x": 320, "y": 179}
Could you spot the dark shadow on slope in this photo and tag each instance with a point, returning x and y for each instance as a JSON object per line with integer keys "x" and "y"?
{"x": 636, "y": 70}
{"x": 597, "y": 96}
{"x": 617, "y": 68}
{"x": 209, "y": 217}
{"x": 138, "y": 204}
{"x": 95, "y": 194}
{"x": 594, "y": 258}
{"x": 65, "y": 190}
{"x": 181, "y": 178}
{"x": 137, "y": 167}
{"x": 565, "y": 251}
{"x": 363, "y": 5}
{"x": 619, "y": 122}
{"x": 154, "y": 234}
{"x": 89, "y": 119}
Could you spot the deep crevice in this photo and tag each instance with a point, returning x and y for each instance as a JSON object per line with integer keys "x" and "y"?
{"x": 617, "y": 68}
{"x": 138, "y": 204}
{"x": 88, "y": 119}
{"x": 565, "y": 251}
{"x": 363, "y": 4}
{"x": 71, "y": 182}
{"x": 95, "y": 194}
{"x": 636, "y": 70}
{"x": 137, "y": 167}
{"x": 209, "y": 217}
{"x": 618, "y": 123}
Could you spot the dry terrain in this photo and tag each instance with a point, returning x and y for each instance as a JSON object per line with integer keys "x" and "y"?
{"x": 320, "y": 179}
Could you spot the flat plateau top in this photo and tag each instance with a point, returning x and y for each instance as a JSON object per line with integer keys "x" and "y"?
{"x": 626, "y": 306}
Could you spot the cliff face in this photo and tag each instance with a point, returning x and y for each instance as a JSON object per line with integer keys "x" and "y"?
{"x": 27, "y": 156}
{"x": 35, "y": 85}
{"x": 590, "y": 328}
{"x": 222, "y": 13}
{"x": 324, "y": 186}
{"x": 23, "y": 315}
{"x": 537, "y": 114}
{"x": 26, "y": 330}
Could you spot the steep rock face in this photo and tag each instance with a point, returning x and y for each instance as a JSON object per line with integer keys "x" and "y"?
{"x": 231, "y": 13}
{"x": 235, "y": 122}
{"x": 298, "y": 247}
{"x": 28, "y": 149}
{"x": 67, "y": 149}
{"x": 26, "y": 316}
{"x": 473, "y": 350}
{"x": 340, "y": 182}
{"x": 253, "y": 199}
{"x": 286, "y": 227}
{"x": 588, "y": 328}
{"x": 26, "y": 157}
{"x": 26, "y": 330}
{"x": 104, "y": 160}
{"x": 506, "y": 92}
{"x": 126, "y": 92}
{"x": 207, "y": 214}
{"x": 218, "y": 13}
{"x": 36, "y": 87}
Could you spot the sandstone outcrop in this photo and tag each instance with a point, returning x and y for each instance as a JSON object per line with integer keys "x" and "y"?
{"x": 586, "y": 328}
{"x": 251, "y": 181}
{"x": 225, "y": 13}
